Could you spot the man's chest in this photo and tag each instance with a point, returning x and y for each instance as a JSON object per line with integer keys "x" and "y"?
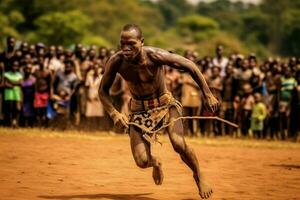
{"x": 140, "y": 74}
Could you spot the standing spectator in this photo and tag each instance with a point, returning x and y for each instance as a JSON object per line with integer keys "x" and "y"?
{"x": 220, "y": 60}
{"x": 12, "y": 94}
{"x": 288, "y": 84}
{"x": 8, "y": 54}
{"x": 190, "y": 97}
{"x": 28, "y": 89}
{"x": 5, "y": 60}
{"x": 230, "y": 85}
{"x": 258, "y": 116}
{"x": 272, "y": 102}
{"x": 42, "y": 92}
{"x": 191, "y": 101}
{"x": 102, "y": 57}
{"x": 247, "y": 106}
{"x": 51, "y": 62}
{"x": 94, "y": 108}
{"x": 66, "y": 80}
{"x": 79, "y": 100}
{"x": 216, "y": 87}
{"x": 243, "y": 74}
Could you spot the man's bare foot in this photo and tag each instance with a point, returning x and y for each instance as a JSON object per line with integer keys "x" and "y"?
{"x": 158, "y": 175}
{"x": 205, "y": 191}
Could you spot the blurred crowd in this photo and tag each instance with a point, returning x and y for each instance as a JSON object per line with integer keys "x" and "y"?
{"x": 49, "y": 86}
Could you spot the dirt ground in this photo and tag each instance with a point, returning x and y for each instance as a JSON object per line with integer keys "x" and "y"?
{"x": 37, "y": 164}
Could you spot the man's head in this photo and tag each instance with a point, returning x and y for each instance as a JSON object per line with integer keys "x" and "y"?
{"x": 131, "y": 41}
{"x": 15, "y": 64}
{"x": 215, "y": 71}
{"x": 219, "y": 50}
{"x": 52, "y": 51}
{"x": 229, "y": 70}
{"x": 69, "y": 64}
{"x": 10, "y": 42}
{"x": 24, "y": 47}
{"x": 257, "y": 97}
{"x": 102, "y": 52}
{"x": 27, "y": 70}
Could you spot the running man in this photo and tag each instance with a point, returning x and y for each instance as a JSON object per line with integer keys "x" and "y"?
{"x": 152, "y": 105}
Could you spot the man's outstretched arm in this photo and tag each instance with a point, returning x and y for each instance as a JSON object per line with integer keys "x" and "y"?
{"x": 108, "y": 78}
{"x": 179, "y": 62}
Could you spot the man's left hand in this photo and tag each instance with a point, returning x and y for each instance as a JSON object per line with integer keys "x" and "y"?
{"x": 212, "y": 103}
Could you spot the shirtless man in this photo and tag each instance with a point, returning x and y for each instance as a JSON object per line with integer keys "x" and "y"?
{"x": 142, "y": 69}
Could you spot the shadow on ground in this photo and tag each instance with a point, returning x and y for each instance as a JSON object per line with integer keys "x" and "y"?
{"x": 286, "y": 166}
{"x": 100, "y": 196}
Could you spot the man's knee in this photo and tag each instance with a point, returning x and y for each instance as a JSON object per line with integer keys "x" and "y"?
{"x": 141, "y": 161}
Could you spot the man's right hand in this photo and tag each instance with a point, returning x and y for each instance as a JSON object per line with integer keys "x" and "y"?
{"x": 120, "y": 120}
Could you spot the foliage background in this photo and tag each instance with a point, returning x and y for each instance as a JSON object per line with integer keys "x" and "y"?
{"x": 269, "y": 28}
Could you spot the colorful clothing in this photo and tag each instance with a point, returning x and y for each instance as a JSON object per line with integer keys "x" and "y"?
{"x": 28, "y": 88}
{"x": 154, "y": 113}
{"x": 41, "y": 99}
{"x": 287, "y": 87}
{"x": 258, "y": 116}
{"x": 14, "y": 93}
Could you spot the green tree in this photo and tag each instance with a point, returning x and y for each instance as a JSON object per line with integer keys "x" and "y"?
{"x": 291, "y": 33}
{"x": 197, "y": 27}
{"x": 174, "y": 9}
{"x": 62, "y": 28}
{"x": 8, "y": 24}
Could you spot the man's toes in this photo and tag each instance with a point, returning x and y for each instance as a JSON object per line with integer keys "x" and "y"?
{"x": 201, "y": 195}
{"x": 207, "y": 195}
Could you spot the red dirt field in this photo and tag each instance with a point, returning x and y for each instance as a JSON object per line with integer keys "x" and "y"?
{"x": 39, "y": 164}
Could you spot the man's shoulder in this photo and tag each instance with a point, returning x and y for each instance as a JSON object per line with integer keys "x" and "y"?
{"x": 155, "y": 53}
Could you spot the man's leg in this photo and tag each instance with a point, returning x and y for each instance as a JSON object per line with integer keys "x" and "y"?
{"x": 176, "y": 135}
{"x": 142, "y": 155}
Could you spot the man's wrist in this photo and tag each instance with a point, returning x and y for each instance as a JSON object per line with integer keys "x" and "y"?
{"x": 113, "y": 114}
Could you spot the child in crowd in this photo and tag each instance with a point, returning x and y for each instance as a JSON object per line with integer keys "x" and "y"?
{"x": 259, "y": 113}
{"x": 12, "y": 94}
{"x": 28, "y": 89}
{"x": 61, "y": 106}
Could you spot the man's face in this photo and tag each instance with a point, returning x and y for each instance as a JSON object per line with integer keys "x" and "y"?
{"x": 229, "y": 70}
{"x": 15, "y": 66}
{"x": 52, "y": 50}
{"x": 215, "y": 72}
{"x": 219, "y": 51}
{"x": 11, "y": 43}
{"x": 103, "y": 52}
{"x": 130, "y": 44}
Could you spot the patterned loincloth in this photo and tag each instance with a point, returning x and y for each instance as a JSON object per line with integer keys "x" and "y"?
{"x": 152, "y": 114}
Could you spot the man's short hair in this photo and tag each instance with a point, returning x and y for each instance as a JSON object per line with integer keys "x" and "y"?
{"x": 129, "y": 27}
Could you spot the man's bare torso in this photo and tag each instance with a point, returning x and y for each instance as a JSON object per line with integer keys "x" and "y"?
{"x": 145, "y": 80}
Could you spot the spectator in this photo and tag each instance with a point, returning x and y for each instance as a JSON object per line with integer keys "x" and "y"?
{"x": 258, "y": 116}
{"x": 12, "y": 94}
{"x": 247, "y": 103}
{"x": 28, "y": 89}
{"x": 94, "y": 108}
{"x": 220, "y": 60}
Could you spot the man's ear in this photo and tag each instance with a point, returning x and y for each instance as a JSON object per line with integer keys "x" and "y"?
{"x": 142, "y": 41}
